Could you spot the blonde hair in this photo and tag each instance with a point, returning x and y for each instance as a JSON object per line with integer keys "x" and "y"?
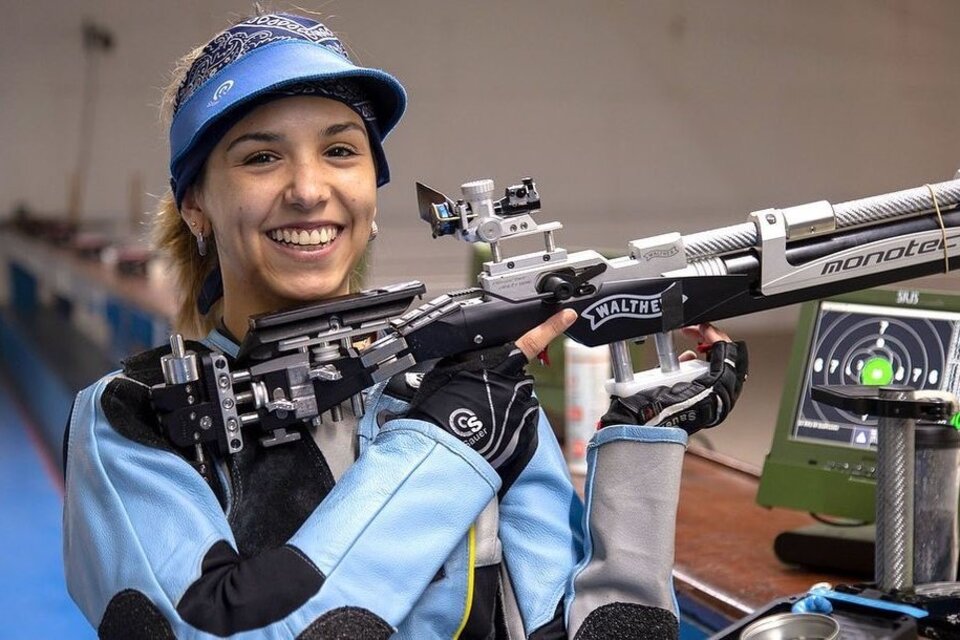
{"x": 171, "y": 236}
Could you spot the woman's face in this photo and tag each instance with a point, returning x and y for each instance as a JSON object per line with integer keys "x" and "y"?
{"x": 290, "y": 193}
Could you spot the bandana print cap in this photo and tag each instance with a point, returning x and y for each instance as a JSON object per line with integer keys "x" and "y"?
{"x": 263, "y": 58}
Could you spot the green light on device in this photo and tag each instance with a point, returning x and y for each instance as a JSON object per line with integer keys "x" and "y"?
{"x": 876, "y": 371}
{"x": 955, "y": 421}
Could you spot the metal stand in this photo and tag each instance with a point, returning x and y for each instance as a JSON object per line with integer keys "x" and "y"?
{"x": 893, "y": 565}
{"x": 898, "y": 409}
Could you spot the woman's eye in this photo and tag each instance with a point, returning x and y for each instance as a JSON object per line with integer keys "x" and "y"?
{"x": 260, "y": 158}
{"x": 341, "y": 151}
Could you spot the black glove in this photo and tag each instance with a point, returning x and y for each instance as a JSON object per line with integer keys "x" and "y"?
{"x": 692, "y": 406}
{"x": 485, "y": 399}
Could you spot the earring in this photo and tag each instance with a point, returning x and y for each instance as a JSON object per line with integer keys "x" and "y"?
{"x": 201, "y": 244}
{"x": 374, "y": 230}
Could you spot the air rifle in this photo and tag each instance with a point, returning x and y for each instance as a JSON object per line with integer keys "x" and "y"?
{"x": 297, "y": 365}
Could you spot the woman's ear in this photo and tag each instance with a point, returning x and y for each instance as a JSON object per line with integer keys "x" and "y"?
{"x": 191, "y": 210}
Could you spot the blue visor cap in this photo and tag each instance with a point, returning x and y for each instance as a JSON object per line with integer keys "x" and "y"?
{"x": 261, "y": 75}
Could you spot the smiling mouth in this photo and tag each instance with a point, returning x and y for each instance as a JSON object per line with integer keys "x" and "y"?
{"x": 305, "y": 239}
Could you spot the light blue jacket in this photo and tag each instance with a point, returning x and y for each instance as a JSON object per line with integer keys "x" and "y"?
{"x": 395, "y": 541}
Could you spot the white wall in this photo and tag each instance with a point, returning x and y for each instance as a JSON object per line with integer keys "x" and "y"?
{"x": 654, "y": 115}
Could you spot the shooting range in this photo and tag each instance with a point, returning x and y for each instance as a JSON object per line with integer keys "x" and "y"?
{"x": 787, "y": 171}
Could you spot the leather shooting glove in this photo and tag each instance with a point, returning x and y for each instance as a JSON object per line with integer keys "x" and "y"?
{"x": 485, "y": 399}
{"x": 700, "y": 404}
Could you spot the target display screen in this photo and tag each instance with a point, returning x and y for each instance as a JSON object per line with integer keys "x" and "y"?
{"x": 877, "y": 345}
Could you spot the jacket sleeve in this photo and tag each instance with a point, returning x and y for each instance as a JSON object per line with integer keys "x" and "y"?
{"x": 541, "y": 532}
{"x": 623, "y": 585}
{"x": 147, "y": 546}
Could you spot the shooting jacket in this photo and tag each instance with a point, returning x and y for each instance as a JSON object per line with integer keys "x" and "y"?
{"x": 410, "y": 542}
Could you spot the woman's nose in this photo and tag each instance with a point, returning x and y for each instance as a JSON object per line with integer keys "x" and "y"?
{"x": 309, "y": 185}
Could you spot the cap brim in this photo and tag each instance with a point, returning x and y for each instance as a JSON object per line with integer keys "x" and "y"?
{"x": 269, "y": 68}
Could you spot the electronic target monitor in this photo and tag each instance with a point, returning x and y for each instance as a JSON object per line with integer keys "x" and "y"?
{"x": 823, "y": 459}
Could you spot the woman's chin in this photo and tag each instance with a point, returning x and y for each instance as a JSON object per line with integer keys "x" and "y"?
{"x": 313, "y": 292}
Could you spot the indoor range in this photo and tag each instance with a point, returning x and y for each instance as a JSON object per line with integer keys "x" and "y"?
{"x": 527, "y": 319}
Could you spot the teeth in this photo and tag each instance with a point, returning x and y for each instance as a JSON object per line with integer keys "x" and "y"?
{"x": 303, "y": 237}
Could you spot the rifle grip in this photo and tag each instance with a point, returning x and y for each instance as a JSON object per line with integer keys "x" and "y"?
{"x": 651, "y": 378}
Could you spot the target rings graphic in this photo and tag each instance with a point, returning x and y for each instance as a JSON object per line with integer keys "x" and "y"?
{"x": 853, "y": 349}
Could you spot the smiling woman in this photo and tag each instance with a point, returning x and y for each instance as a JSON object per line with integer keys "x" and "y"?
{"x": 438, "y": 506}
{"x": 289, "y": 193}
{"x": 221, "y": 107}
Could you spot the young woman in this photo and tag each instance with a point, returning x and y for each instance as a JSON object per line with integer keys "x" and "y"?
{"x": 396, "y": 524}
